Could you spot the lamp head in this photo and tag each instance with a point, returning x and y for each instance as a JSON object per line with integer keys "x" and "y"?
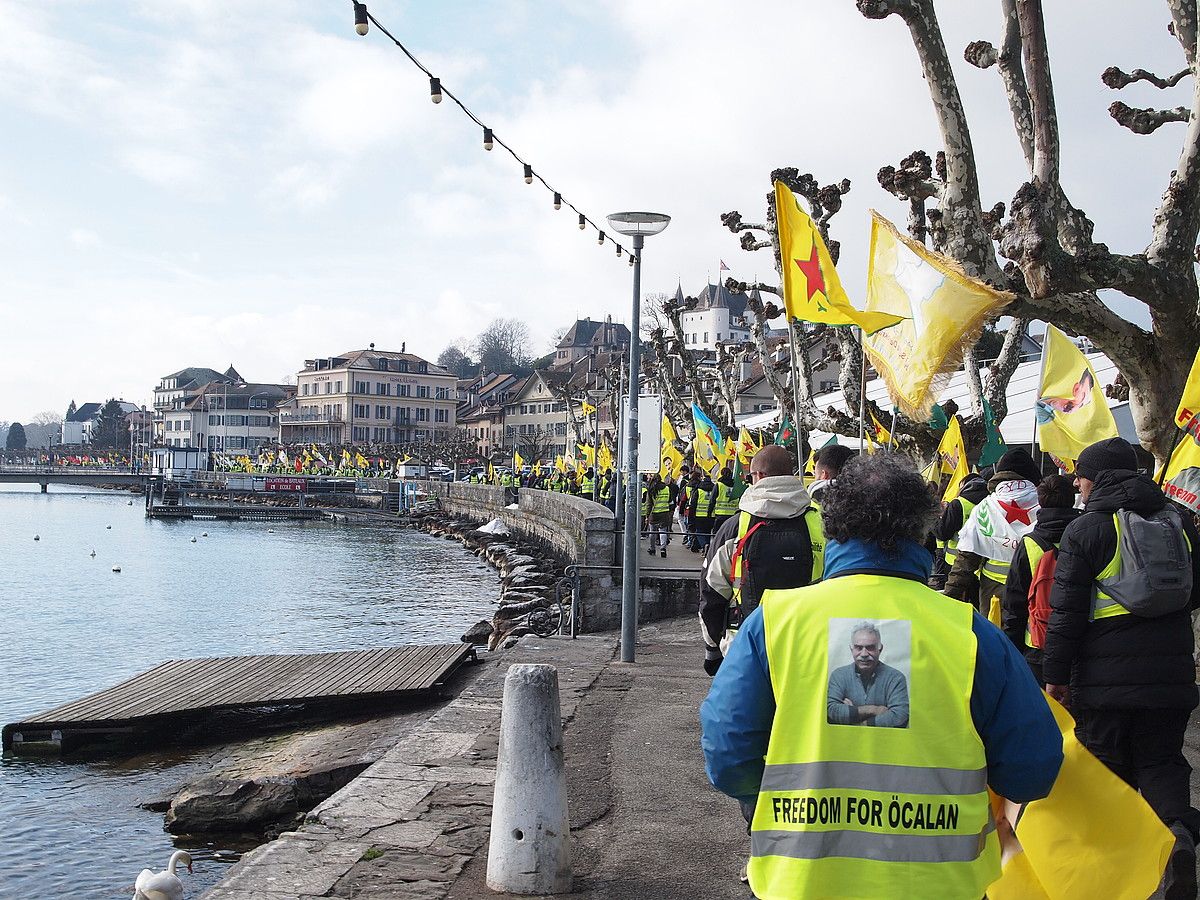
{"x": 635, "y": 223}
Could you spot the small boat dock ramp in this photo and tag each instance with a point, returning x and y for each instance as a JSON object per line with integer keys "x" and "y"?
{"x": 176, "y": 691}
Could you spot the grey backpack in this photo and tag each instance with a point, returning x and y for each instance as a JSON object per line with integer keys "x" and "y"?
{"x": 1154, "y": 576}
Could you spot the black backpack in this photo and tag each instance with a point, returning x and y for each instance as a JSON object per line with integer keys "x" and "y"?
{"x": 777, "y": 555}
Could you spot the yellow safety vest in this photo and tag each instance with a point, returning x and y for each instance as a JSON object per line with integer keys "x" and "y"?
{"x": 951, "y": 546}
{"x": 853, "y": 811}
{"x": 1034, "y": 552}
{"x": 587, "y": 486}
{"x": 727, "y": 503}
{"x": 702, "y": 498}
{"x": 662, "y": 500}
{"x": 816, "y": 533}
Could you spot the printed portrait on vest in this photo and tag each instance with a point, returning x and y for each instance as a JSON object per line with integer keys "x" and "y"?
{"x": 869, "y": 665}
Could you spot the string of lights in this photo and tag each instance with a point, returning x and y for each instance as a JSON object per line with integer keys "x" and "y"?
{"x": 362, "y": 22}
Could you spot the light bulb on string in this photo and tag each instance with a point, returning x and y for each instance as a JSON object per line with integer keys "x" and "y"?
{"x": 360, "y": 18}
{"x": 600, "y": 239}
{"x": 619, "y": 248}
{"x": 435, "y": 89}
{"x": 582, "y": 222}
{"x": 632, "y": 259}
{"x": 487, "y": 138}
{"x": 528, "y": 173}
{"x": 557, "y": 200}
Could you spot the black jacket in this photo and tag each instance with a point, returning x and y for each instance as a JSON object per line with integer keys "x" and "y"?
{"x": 974, "y": 489}
{"x": 1014, "y": 603}
{"x": 1122, "y": 662}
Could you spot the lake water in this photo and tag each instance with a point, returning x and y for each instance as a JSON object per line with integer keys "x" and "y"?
{"x": 70, "y": 625}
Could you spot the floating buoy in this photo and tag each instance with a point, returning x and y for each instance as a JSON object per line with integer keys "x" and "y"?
{"x": 193, "y": 540}
{"x": 93, "y": 554}
{"x": 108, "y": 526}
{"x": 116, "y": 568}
{"x": 129, "y": 503}
{"x": 204, "y": 534}
{"x": 270, "y": 531}
{"x": 37, "y": 537}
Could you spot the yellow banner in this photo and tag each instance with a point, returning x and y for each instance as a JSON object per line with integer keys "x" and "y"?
{"x": 812, "y": 291}
{"x": 943, "y": 311}
{"x": 1072, "y": 411}
{"x": 1189, "y": 403}
{"x": 952, "y": 456}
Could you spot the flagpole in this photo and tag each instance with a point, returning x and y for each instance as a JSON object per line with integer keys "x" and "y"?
{"x": 862, "y": 394}
{"x": 892, "y": 433}
{"x": 800, "y": 429}
{"x": 1038, "y": 390}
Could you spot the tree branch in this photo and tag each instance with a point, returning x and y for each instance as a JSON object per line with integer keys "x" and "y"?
{"x": 1116, "y": 79}
{"x": 1002, "y": 368}
{"x": 983, "y": 55}
{"x": 1178, "y": 218}
{"x": 1146, "y": 121}
{"x": 1183, "y": 26}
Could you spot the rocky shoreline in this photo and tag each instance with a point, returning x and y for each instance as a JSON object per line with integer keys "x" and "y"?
{"x": 528, "y": 574}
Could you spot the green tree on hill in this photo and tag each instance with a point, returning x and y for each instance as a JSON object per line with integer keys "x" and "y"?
{"x": 16, "y": 437}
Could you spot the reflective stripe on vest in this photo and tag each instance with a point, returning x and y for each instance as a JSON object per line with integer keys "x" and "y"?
{"x": 816, "y": 533}
{"x": 951, "y": 545}
{"x": 587, "y": 486}
{"x": 996, "y": 570}
{"x": 662, "y": 500}
{"x": 727, "y": 503}
{"x": 854, "y": 810}
{"x": 702, "y": 498}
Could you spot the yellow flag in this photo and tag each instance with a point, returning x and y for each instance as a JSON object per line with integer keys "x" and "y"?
{"x": 588, "y": 409}
{"x": 810, "y": 467}
{"x": 1072, "y": 412}
{"x": 746, "y": 448}
{"x": 491, "y": 476}
{"x": 882, "y": 435}
{"x": 943, "y": 308}
{"x": 672, "y": 462}
{"x": 1182, "y": 478}
{"x": 560, "y": 464}
{"x": 1071, "y": 840}
{"x": 1189, "y": 403}
{"x": 952, "y": 454}
{"x": 812, "y": 291}
{"x": 518, "y": 462}
{"x": 604, "y": 458}
{"x": 361, "y": 461}
{"x": 588, "y": 452}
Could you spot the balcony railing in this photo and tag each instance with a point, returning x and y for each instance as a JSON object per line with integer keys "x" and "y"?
{"x": 310, "y": 418}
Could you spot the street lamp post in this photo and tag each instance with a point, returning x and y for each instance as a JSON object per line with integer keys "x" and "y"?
{"x": 636, "y": 225}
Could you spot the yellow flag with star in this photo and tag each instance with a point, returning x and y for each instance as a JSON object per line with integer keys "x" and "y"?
{"x": 588, "y": 409}
{"x": 952, "y": 456}
{"x": 812, "y": 291}
{"x": 943, "y": 312}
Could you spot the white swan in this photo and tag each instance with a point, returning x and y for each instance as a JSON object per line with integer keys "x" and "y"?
{"x": 162, "y": 885}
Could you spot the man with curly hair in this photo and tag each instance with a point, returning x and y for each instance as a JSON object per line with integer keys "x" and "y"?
{"x": 875, "y": 812}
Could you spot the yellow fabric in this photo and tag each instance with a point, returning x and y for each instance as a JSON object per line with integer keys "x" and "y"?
{"x": 952, "y": 454}
{"x": 812, "y": 291}
{"x": 560, "y": 464}
{"x": 1093, "y": 836}
{"x": 1071, "y": 412}
{"x": 942, "y": 308}
{"x": 994, "y": 611}
{"x": 604, "y": 458}
{"x": 939, "y": 745}
{"x": 588, "y": 409}
{"x": 746, "y": 448}
{"x": 1189, "y": 401}
{"x": 1018, "y": 881}
{"x": 1181, "y": 481}
{"x": 588, "y": 452}
{"x": 518, "y": 461}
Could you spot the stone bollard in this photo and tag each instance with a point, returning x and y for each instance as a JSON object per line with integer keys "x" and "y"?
{"x": 529, "y": 851}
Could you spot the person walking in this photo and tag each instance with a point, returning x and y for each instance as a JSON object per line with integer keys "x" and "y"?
{"x": 1119, "y": 642}
{"x": 993, "y": 530}
{"x": 701, "y": 512}
{"x": 840, "y": 810}
{"x": 1056, "y": 510}
{"x": 775, "y": 541}
{"x": 971, "y": 493}
{"x": 827, "y": 464}
{"x": 657, "y": 511}
{"x": 726, "y": 494}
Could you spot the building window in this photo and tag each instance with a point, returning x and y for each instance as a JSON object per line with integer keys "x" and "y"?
{"x": 441, "y": 415}
{"x": 422, "y": 414}
{"x": 422, "y": 390}
{"x": 304, "y": 389}
{"x": 337, "y": 387}
{"x": 362, "y": 387}
{"x": 443, "y": 393}
{"x": 383, "y": 412}
{"x": 706, "y": 337}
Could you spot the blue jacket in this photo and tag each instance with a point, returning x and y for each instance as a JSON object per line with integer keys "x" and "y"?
{"x": 1020, "y": 737}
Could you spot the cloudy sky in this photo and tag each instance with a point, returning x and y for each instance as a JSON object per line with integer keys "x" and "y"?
{"x": 207, "y": 182}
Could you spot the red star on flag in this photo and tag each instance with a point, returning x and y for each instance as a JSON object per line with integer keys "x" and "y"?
{"x": 1015, "y": 513}
{"x": 811, "y": 268}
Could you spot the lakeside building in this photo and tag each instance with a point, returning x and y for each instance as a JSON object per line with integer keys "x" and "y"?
{"x": 482, "y": 416}
{"x": 78, "y": 424}
{"x": 174, "y": 390}
{"x": 589, "y": 337}
{"x": 370, "y": 396}
{"x": 535, "y": 418}
{"x": 224, "y": 416}
{"x": 719, "y": 317}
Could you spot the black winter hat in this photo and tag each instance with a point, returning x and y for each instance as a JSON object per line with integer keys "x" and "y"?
{"x": 1019, "y": 461}
{"x": 1113, "y": 453}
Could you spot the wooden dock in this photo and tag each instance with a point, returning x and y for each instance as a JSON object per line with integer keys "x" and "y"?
{"x": 183, "y": 687}
{"x": 244, "y": 512}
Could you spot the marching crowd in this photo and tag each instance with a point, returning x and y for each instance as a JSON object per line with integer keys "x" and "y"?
{"x": 858, "y": 599}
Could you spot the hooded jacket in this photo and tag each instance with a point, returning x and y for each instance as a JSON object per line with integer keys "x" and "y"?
{"x": 1121, "y": 662}
{"x": 972, "y": 539}
{"x": 1051, "y": 523}
{"x": 774, "y": 497}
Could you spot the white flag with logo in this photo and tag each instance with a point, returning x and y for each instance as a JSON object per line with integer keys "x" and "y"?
{"x": 996, "y": 526}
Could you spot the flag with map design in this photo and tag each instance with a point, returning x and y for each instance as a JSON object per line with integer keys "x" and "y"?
{"x": 812, "y": 291}
{"x": 943, "y": 311}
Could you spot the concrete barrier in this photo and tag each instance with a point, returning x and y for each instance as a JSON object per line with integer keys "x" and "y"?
{"x": 529, "y": 846}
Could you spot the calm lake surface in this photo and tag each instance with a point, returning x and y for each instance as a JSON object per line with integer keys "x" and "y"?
{"x": 70, "y": 626}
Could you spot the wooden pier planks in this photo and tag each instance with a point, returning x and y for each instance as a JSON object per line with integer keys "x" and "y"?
{"x": 231, "y": 682}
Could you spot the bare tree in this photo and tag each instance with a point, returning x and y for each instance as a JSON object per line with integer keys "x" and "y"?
{"x": 503, "y": 345}
{"x": 1054, "y": 266}
{"x": 456, "y": 359}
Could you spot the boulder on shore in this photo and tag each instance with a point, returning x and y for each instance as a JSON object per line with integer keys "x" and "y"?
{"x": 479, "y": 633}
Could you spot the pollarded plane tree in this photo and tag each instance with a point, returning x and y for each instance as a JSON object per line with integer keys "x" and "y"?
{"x": 1051, "y": 261}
